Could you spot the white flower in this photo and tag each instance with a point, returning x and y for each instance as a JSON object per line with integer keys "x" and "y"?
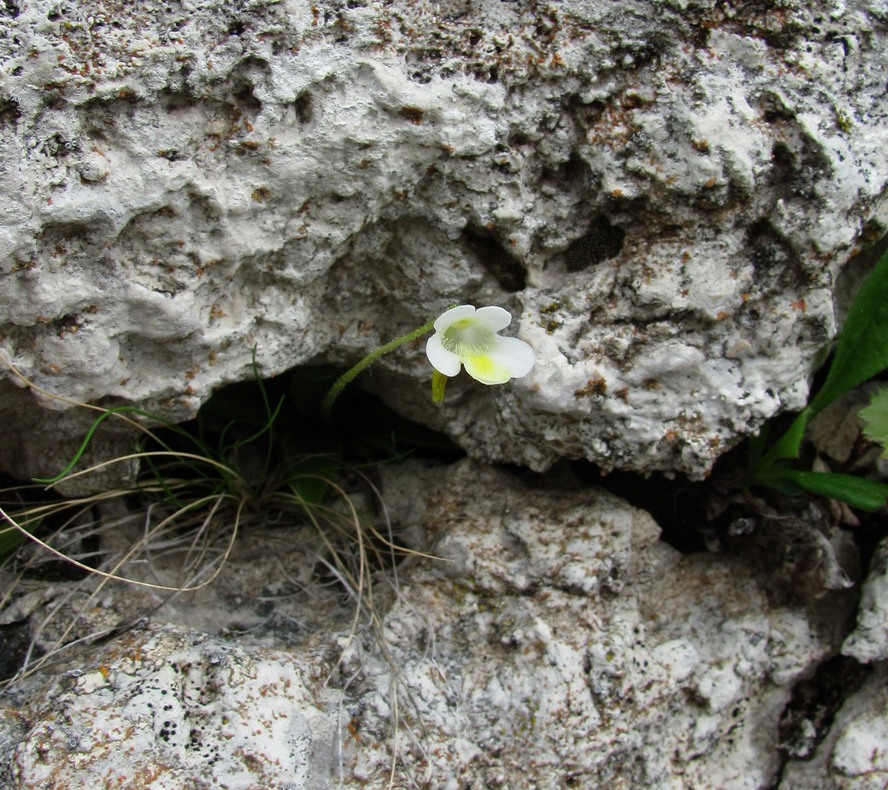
{"x": 466, "y": 336}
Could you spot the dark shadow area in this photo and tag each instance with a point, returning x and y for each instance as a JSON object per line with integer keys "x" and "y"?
{"x": 361, "y": 428}
{"x": 678, "y": 505}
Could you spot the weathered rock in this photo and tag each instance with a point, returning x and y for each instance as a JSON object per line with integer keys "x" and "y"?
{"x": 869, "y": 640}
{"x": 553, "y": 641}
{"x": 854, "y": 754}
{"x": 169, "y": 709}
{"x": 663, "y": 192}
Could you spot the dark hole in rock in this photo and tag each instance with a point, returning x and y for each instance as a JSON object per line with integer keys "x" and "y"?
{"x": 10, "y": 111}
{"x": 810, "y": 712}
{"x": 303, "y": 107}
{"x": 497, "y": 262}
{"x": 15, "y": 639}
{"x": 602, "y": 241}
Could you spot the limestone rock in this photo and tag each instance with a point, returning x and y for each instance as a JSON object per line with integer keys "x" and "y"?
{"x": 169, "y": 709}
{"x": 854, "y": 755}
{"x": 869, "y": 640}
{"x": 551, "y": 640}
{"x": 662, "y": 191}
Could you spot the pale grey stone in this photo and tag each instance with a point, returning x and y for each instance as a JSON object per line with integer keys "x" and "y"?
{"x": 868, "y": 641}
{"x": 172, "y": 708}
{"x": 548, "y": 638}
{"x": 853, "y": 755}
{"x": 662, "y": 192}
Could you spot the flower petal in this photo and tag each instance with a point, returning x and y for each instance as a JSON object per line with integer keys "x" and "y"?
{"x": 450, "y": 316}
{"x": 486, "y": 369}
{"x": 442, "y": 360}
{"x": 515, "y": 355}
{"x": 493, "y": 317}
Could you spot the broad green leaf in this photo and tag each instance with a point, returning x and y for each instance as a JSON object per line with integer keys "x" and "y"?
{"x": 876, "y": 417}
{"x": 862, "y": 347}
{"x": 858, "y": 492}
{"x": 789, "y": 443}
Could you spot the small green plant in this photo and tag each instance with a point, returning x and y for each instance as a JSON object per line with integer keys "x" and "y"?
{"x": 861, "y": 352}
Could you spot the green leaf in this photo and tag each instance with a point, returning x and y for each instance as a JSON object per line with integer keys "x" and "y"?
{"x": 876, "y": 417}
{"x": 861, "y": 352}
{"x": 862, "y": 348}
{"x": 788, "y": 445}
{"x": 858, "y": 492}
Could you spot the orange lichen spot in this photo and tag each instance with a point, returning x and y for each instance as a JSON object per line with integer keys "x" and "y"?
{"x": 592, "y": 387}
{"x": 260, "y": 194}
{"x": 721, "y": 315}
{"x": 651, "y": 384}
{"x": 213, "y": 356}
{"x": 412, "y": 113}
{"x": 685, "y": 257}
{"x": 800, "y": 306}
{"x": 617, "y": 193}
{"x": 192, "y": 372}
{"x": 216, "y": 312}
{"x": 103, "y": 671}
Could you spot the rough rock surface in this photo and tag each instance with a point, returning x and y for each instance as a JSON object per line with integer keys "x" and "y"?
{"x": 553, "y": 642}
{"x": 869, "y": 640}
{"x": 854, "y": 753}
{"x": 663, "y": 192}
{"x": 168, "y": 709}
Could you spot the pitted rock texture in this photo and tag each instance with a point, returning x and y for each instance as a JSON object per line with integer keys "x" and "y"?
{"x": 869, "y": 640}
{"x": 548, "y": 639}
{"x": 173, "y": 708}
{"x": 663, "y": 193}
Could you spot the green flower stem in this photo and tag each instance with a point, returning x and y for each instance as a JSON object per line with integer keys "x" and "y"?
{"x": 346, "y": 378}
